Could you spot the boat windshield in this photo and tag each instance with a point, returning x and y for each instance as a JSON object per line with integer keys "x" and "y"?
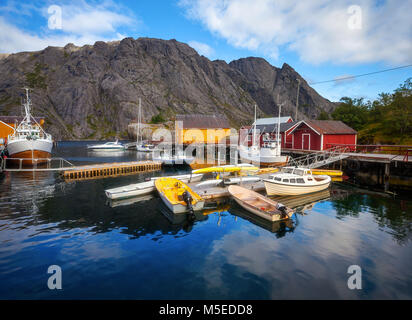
{"x": 287, "y": 170}
{"x": 299, "y": 172}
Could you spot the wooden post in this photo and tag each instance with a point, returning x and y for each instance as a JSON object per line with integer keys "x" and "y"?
{"x": 387, "y": 175}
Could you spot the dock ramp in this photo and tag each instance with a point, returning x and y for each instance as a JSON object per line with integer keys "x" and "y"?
{"x": 320, "y": 158}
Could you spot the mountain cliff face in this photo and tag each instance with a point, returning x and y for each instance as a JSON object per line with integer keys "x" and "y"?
{"x": 93, "y": 91}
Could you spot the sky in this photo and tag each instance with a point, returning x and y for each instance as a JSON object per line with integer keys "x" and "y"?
{"x": 321, "y": 40}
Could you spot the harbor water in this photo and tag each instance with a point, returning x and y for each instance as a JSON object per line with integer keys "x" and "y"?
{"x": 138, "y": 250}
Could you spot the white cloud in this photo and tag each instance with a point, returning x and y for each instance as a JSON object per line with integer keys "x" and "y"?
{"x": 81, "y": 24}
{"x": 202, "y": 48}
{"x": 317, "y": 30}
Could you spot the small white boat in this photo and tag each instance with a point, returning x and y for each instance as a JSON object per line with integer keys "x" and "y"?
{"x": 115, "y": 146}
{"x": 170, "y": 160}
{"x": 295, "y": 181}
{"x": 260, "y": 205}
{"x": 142, "y": 188}
{"x": 145, "y": 147}
{"x": 178, "y": 197}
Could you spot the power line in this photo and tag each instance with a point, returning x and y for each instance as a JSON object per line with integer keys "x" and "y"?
{"x": 361, "y": 75}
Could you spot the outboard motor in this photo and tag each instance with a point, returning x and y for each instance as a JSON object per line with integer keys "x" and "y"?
{"x": 282, "y": 209}
{"x": 188, "y": 199}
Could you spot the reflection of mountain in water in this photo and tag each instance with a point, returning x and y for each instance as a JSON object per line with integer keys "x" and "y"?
{"x": 395, "y": 214}
{"x": 26, "y": 192}
{"x": 64, "y": 206}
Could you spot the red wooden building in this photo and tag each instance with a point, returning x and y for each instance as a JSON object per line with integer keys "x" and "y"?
{"x": 319, "y": 135}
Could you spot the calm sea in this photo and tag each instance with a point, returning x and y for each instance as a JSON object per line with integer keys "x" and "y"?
{"x": 138, "y": 250}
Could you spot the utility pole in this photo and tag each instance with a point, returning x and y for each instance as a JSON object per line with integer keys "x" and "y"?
{"x": 297, "y": 101}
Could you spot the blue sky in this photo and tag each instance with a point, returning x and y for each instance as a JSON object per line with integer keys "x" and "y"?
{"x": 322, "y": 40}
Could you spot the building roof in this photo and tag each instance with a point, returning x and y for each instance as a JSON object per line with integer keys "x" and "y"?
{"x": 269, "y": 128}
{"x": 200, "y": 121}
{"x": 327, "y": 127}
{"x": 268, "y": 121}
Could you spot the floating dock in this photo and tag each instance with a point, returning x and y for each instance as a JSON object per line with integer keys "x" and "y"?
{"x": 106, "y": 170}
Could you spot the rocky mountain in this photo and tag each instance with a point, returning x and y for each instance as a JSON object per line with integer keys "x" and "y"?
{"x": 92, "y": 91}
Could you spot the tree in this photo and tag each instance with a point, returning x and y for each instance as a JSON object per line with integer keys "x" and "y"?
{"x": 323, "y": 115}
{"x": 353, "y": 112}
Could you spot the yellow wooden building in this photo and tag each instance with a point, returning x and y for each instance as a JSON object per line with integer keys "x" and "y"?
{"x": 202, "y": 129}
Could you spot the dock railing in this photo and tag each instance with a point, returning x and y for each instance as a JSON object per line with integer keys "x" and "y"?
{"x": 38, "y": 164}
{"x": 396, "y": 150}
{"x": 320, "y": 158}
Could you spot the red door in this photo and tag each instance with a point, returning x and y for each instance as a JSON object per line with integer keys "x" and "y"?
{"x": 306, "y": 141}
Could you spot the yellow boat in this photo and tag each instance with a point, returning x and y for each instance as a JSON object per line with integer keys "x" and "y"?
{"x": 327, "y": 172}
{"x": 177, "y": 196}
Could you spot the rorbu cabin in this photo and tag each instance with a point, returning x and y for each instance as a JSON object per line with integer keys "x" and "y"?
{"x": 320, "y": 135}
{"x": 201, "y": 129}
{"x": 267, "y": 128}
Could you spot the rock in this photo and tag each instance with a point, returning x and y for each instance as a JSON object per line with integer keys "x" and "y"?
{"x": 93, "y": 91}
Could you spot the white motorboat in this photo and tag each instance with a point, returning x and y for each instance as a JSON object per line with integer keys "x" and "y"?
{"x": 145, "y": 147}
{"x": 295, "y": 181}
{"x": 170, "y": 160}
{"x": 108, "y": 146}
{"x": 269, "y": 154}
{"x": 142, "y": 188}
{"x": 29, "y": 140}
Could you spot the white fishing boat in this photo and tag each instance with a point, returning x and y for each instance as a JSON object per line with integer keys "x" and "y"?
{"x": 147, "y": 187}
{"x": 292, "y": 181}
{"x": 268, "y": 154}
{"x": 29, "y": 141}
{"x": 260, "y": 205}
{"x": 108, "y": 146}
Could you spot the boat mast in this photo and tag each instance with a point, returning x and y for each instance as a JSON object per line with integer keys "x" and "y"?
{"x": 254, "y": 129}
{"x": 278, "y": 133}
{"x": 139, "y": 120}
{"x": 27, "y": 106}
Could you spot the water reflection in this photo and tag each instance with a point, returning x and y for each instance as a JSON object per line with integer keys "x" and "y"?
{"x": 279, "y": 228}
{"x": 392, "y": 215}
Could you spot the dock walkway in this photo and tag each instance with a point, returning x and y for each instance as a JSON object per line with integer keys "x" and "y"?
{"x": 104, "y": 170}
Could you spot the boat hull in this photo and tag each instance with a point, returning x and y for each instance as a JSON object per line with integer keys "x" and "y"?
{"x": 144, "y": 188}
{"x": 277, "y": 189}
{"x": 253, "y": 201}
{"x": 263, "y": 161}
{"x": 179, "y": 208}
{"x": 30, "y": 150}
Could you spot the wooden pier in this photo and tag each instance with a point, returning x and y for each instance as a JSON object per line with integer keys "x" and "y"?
{"x": 106, "y": 170}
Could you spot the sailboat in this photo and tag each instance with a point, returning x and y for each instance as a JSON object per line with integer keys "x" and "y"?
{"x": 29, "y": 141}
{"x": 140, "y": 146}
{"x": 267, "y": 155}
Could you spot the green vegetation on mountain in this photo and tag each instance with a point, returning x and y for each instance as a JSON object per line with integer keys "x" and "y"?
{"x": 387, "y": 120}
